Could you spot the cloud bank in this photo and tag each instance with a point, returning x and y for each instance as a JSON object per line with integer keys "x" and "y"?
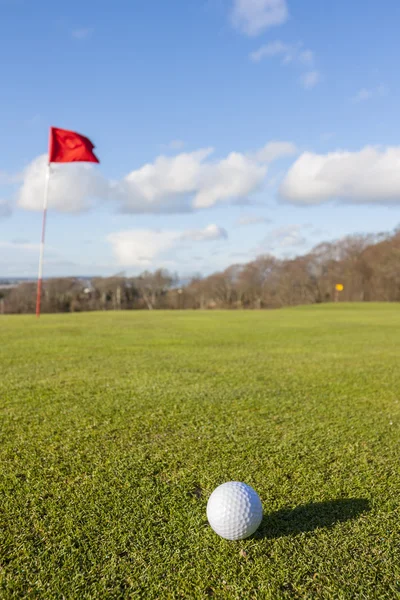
{"x": 141, "y": 247}
{"x": 171, "y": 184}
{"x": 252, "y": 17}
{"x": 369, "y": 176}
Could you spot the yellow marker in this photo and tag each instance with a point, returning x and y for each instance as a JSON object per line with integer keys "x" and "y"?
{"x": 339, "y": 287}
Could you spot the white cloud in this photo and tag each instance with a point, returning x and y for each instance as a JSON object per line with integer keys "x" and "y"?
{"x": 232, "y": 178}
{"x": 252, "y": 220}
{"x": 209, "y": 233}
{"x": 288, "y": 237}
{"x": 366, "y": 94}
{"x": 284, "y": 238}
{"x": 370, "y": 176}
{"x": 139, "y": 247}
{"x": 190, "y": 181}
{"x": 143, "y": 247}
{"x": 164, "y": 185}
{"x": 310, "y": 79}
{"x": 290, "y": 54}
{"x": 73, "y": 187}
{"x": 171, "y": 184}
{"x": 274, "y": 150}
{"x": 254, "y": 16}
{"x": 81, "y": 33}
{"x": 273, "y": 49}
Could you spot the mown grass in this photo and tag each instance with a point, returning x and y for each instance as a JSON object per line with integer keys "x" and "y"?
{"x": 115, "y": 428}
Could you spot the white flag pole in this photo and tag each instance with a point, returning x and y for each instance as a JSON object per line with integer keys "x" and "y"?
{"x": 40, "y": 274}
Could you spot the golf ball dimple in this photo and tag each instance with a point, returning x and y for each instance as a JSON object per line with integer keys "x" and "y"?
{"x": 234, "y": 510}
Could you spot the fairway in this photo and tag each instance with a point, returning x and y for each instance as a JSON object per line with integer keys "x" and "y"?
{"x": 115, "y": 428}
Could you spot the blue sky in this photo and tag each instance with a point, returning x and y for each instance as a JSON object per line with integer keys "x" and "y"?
{"x": 225, "y": 129}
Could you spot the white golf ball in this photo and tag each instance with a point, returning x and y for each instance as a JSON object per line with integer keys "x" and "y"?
{"x": 234, "y": 510}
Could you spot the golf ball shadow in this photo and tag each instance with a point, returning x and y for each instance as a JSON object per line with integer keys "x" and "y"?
{"x": 312, "y": 516}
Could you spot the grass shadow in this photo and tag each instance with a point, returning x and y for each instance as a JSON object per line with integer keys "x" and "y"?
{"x": 308, "y": 517}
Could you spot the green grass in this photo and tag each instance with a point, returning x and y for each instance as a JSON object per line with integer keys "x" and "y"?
{"x": 116, "y": 427}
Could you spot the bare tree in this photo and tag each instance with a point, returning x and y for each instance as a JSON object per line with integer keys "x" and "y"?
{"x": 154, "y": 286}
{"x": 255, "y": 281}
{"x": 368, "y": 267}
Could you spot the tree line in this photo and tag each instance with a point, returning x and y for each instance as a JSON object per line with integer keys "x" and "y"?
{"x": 368, "y": 267}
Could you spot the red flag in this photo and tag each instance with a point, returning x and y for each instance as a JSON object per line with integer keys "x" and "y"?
{"x": 68, "y": 146}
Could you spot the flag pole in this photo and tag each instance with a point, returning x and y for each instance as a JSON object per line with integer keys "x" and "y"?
{"x": 40, "y": 273}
